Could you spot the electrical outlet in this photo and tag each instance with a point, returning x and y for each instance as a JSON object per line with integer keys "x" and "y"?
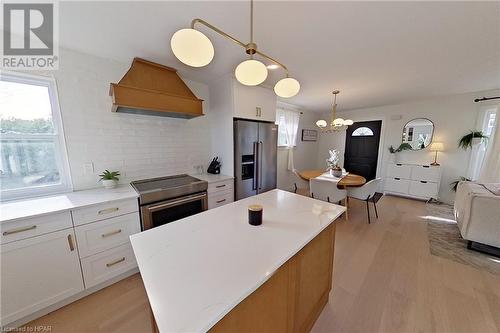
{"x": 88, "y": 168}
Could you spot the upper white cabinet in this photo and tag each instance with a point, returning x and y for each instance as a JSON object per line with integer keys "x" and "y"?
{"x": 38, "y": 272}
{"x": 256, "y": 103}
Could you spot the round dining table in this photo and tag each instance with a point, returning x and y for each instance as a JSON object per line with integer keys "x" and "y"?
{"x": 349, "y": 180}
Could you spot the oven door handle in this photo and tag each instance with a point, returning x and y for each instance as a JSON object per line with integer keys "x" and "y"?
{"x": 172, "y": 203}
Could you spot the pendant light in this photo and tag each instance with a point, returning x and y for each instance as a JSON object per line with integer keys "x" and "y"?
{"x": 336, "y": 124}
{"x": 195, "y": 49}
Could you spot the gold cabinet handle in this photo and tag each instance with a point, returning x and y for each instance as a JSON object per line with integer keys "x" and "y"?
{"x": 219, "y": 201}
{"x": 70, "y": 242}
{"x": 219, "y": 186}
{"x": 108, "y": 210}
{"x": 115, "y": 262}
{"x": 15, "y": 231}
{"x": 111, "y": 233}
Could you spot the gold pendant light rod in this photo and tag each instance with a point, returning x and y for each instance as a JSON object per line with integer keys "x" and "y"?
{"x": 237, "y": 41}
{"x": 195, "y": 49}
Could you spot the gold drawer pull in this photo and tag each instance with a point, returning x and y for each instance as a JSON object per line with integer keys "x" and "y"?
{"x": 70, "y": 242}
{"x": 115, "y": 262}
{"x": 111, "y": 233}
{"x": 15, "y": 231}
{"x": 108, "y": 210}
{"x": 219, "y": 186}
{"x": 219, "y": 201}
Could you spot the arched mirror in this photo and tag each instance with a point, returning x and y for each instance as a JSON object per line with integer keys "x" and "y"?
{"x": 418, "y": 133}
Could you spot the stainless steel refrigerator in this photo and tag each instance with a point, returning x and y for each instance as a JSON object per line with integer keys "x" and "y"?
{"x": 255, "y": 157}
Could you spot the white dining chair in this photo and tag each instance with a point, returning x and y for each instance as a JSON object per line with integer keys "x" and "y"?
{"x": 326, "y": 190}
{"x": 301, "y": 186}
{"x": 366, "y": 193}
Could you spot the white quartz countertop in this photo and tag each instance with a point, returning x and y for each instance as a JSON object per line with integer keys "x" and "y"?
{"x": 197, "y": 269}
{"x": 211, "y": 178}
{"x": 19, "y": 209}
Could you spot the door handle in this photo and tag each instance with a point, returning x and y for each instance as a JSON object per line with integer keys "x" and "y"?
{"x": 111, "y": 233}
{"x": 423, "y": 181}
{"x": 70, "y": 242}
{"x": 256, "y": 165}
{"x": 108, "y": 211}
{"x": 219, "y": 201}
{"x": 260, "y": 165}
{"x": 220, "y": 186}
{"x": 115, "y": 262}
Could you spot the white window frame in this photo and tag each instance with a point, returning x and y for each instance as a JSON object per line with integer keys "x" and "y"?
{"x": 60, "y": 153}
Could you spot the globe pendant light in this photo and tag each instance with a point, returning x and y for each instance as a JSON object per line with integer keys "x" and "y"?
{"x": 251, "y": 72}
{"x": 336, "y": 124}
{"x": 287, "y": 87}
{"x": 194, "y": 49}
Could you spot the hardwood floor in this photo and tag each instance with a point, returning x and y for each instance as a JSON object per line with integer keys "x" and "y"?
{"x": 385, "y": 280}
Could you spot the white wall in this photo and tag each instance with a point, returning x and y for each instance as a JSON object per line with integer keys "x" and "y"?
{"x": 453, "y": 116}
{"x": 305, "y": 153}
{"x": 139, "y": 146}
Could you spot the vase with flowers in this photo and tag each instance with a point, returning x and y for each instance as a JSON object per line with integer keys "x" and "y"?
{"x": 332, "y": 163}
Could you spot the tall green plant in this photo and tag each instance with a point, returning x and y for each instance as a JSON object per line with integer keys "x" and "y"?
{"x": 466, "y": 141}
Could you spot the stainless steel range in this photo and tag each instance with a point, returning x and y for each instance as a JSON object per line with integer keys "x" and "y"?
{"x": 167, "y": 199}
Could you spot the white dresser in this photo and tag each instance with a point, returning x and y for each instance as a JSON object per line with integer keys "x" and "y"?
{"x": 413, "y": 180}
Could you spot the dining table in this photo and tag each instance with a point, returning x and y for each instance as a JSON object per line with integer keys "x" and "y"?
{"x": 349, "y": 180}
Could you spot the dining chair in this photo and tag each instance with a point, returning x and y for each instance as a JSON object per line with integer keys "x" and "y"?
{"x": 301, "y": 186}
{"x": 326, "y": 190}
{"x": 366, "y": 193}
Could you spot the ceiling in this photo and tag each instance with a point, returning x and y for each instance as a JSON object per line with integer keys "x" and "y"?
{"x": 376, "y": 53}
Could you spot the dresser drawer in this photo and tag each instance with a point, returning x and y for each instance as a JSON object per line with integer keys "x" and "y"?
{"x": 219, "y": 199}
{"x": 35, "y": 226}
{"x": 425, "y": 172}
{"x": 399, "y": 171}
{"x": 397, "y": 185}
{"x": 99, "y": 236}
{"x": 108, "y": 264}
{"x": 104, "y": 211}
{"x": 423, "y": 189}
{"x": 225, "y": 185}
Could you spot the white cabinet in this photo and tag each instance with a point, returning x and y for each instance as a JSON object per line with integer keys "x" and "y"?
{"x": 38, "y": 272}
{"x": 256, "y": 103}
{"x": 220, "y": 193}
{"x": 413, "y": 180}
{"x": 104, "y": 211}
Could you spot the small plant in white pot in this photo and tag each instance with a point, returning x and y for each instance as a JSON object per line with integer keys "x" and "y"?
{"x": 333, "y": 163}
{"x": 109, "y": 178}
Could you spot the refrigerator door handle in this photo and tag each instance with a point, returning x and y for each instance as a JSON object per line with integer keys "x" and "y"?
{"x": 260, "y": 165}
{"x": 255, "y": 164}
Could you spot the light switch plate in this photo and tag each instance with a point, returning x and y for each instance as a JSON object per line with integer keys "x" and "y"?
{"x": 88, "y": 168}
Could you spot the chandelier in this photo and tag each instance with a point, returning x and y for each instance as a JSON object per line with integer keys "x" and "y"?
{"x": 194, "y": 49}
{"x": 336, "y": 124}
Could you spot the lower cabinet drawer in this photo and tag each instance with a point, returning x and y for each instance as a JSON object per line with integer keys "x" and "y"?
{"x": 397, "y": 185}
{"x": 219, "y": 199}
{"x": 108, "y": 264}
{"x": 423, "y": 189}
{"x": 99, "y": 236}
{"x": 225, "y": 185}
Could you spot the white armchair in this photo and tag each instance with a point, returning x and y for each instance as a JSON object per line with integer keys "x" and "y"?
{"x": 366, "y": 193}
{"x": 477, "y": 212}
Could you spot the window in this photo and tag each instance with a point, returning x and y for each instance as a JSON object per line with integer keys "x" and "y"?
{"x": 486, "y": 120}
{"x": 33, "y": 155}
{"x": 362, "y": 131}
{"x": 288, "y": 126}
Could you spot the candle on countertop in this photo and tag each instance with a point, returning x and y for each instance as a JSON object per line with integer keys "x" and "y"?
{"x": 255, "y": 214}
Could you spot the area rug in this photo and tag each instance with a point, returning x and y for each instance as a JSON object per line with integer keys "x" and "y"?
{"x": 445, "y": 240}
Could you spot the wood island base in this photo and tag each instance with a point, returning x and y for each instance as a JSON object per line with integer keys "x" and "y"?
{"x": 292, "y": 299}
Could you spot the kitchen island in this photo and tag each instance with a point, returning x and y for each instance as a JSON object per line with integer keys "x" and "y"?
{"x": 215, "y": 272}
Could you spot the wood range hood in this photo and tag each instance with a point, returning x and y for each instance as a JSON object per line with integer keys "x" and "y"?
{"x": 149, "y": 88}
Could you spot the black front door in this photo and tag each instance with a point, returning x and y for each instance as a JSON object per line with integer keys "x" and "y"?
{"x": 361, "y": 148}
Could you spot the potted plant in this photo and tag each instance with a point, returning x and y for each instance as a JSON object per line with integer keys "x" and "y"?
{"x": 393, "y": 151}
{"x": 333, "y": 163}
{"x": 109, "y": 178}
{"x": 471, "y": 139}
